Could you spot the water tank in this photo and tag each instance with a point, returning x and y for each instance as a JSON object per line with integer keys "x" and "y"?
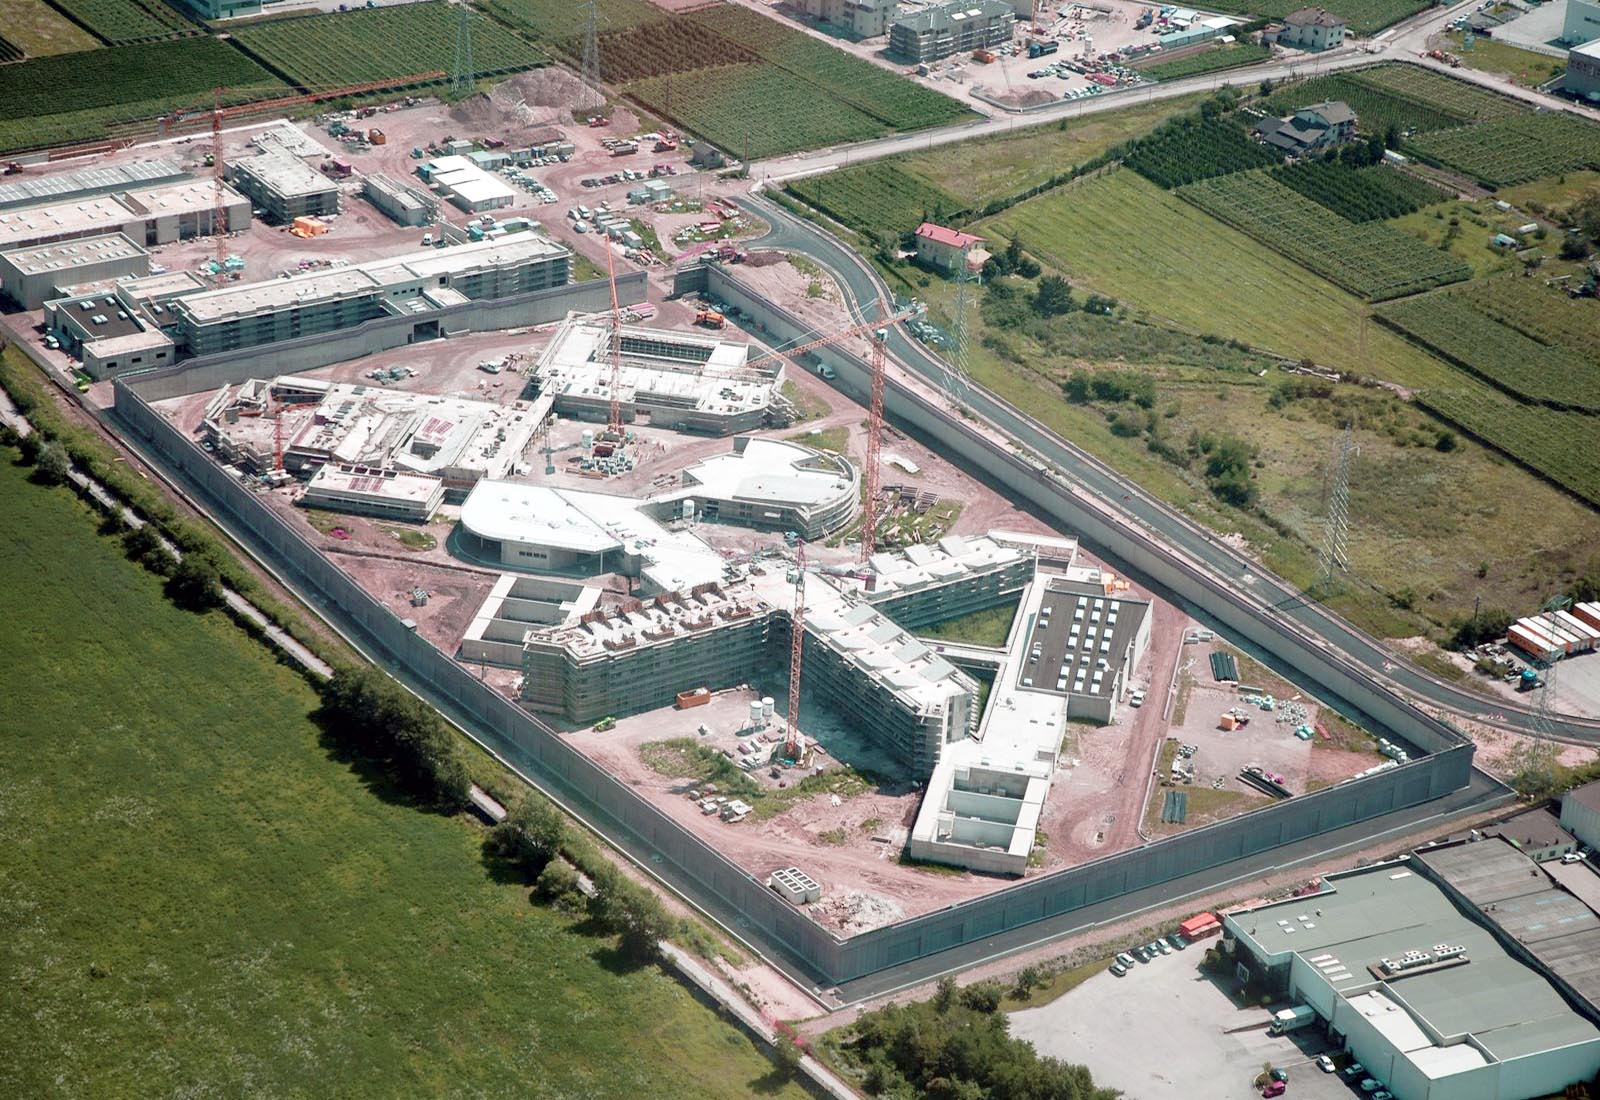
{"x": 756, "y": 718}
{"x": 688, "y": 509}
{"x": 766, "y": 708}
{"x": 588, "y": 439}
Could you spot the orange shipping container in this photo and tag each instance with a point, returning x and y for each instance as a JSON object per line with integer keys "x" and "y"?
{"x": 377, "y": 137}
{"x": 1229, "y": 723}
{"x": 1588, "y": 612}
{"x": 699, "y": 697}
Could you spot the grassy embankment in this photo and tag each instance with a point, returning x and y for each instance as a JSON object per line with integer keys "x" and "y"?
{"x": 204, "y": 898}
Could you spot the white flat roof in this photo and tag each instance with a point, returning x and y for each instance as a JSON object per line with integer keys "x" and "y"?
{"x": 284, "y": 174}
{"x": 768, "y": 471}
{"x": 508, "y": 511}
{"x": 359, "y": 481}
{"x": 66, "y": 255}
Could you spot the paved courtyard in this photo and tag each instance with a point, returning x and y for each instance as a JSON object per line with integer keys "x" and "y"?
{"x": 1168, "y": 1032}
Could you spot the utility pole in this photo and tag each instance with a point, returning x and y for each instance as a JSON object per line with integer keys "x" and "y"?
{"x": 591, "y": 51}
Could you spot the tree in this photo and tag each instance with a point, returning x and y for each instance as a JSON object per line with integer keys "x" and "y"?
{"x": 1446, "y": 441}
{"x": 788, "y": 1053}
{"x": 1574, "y": 247}
{"x": 1014, "y": 253}
{"x": 1053, "y": 297}
{"x": 144, "y": 546}
{"x": 631, "y": 912}
{"x": 373, "y": 716}
{"x": 195, "y": 584}
{"x": 1391, "y": 137}
{"x": 1585, "y": 214}
{"x": 558, "y": 885}
{"x": 944, "y": 994}
{"x": 531, "y": 834}
{"x": 51, "y": 465}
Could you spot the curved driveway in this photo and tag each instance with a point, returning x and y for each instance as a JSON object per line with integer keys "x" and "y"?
{"x": 1114, "y": 493}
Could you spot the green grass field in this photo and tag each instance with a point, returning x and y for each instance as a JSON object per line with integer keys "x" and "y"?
{"x": 120, "y": 22}
{"x": 1365, "y": 16}
{"x": 1524, "y": 67}
{"x": 199, "y": 899}
{"x": 1207, "y": 61}
{"x": 41, "y": 30}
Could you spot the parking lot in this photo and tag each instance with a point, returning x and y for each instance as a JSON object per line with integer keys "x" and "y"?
{"x": 1168, "y": 1030}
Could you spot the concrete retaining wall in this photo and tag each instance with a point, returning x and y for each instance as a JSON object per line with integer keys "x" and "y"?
{"x": 721, "y": 887}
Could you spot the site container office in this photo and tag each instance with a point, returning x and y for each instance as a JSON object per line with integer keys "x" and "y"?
{"x": 1568, "y": 640}
{"x": 1588, "y": 612}
{"x": 1586, "y": 634}
{"x": 1535, "y": 642}
{"x": 1540, "y": 629}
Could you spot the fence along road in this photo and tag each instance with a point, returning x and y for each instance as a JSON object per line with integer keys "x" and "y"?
{"x": 1116, "y": 494}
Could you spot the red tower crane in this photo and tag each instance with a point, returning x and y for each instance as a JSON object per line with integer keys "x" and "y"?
{"x": 869, "y": 508}
{"x": 793, "y": 742}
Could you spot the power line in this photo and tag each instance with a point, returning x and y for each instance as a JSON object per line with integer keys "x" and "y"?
{"x": 461, "y": 80}
{"x": 1335, "y": 536}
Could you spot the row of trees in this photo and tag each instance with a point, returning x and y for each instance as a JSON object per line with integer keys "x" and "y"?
{"x": 374, "y": 717}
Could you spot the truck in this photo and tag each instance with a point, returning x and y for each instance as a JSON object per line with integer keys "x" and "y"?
{"x": 1040, "y": 49}
{"x": 731, "y": 255}
{"x": 710, "y": 318}
{"x": 625, "y": 148}
{"x": 1291, "y": 1019}
{"x": 666, "y": 143}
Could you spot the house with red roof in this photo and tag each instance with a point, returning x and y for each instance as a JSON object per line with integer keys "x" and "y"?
{"x": 943, "y": 248}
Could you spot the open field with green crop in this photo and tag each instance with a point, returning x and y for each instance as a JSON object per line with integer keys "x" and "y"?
{"x": 40, "y": 30}
{"x": 1545, "y": 440}
{"x": 1513, "y": 150}
{"x": 1365, "y": 16}
{"x": 1542, "y": 312}
{"x": 559, "y": 24}
{"x": 122, "y": 22}
{"x": 1440, "y": 91}
{"x": 1359, "y": 194}
{"x": 379, "y": 43}
{"x": 1453, "y": 328}
{"x": 1386, "y": 96}
{"x": 1369, "y": 259}
{"x": 877, "y": 197}
{"x": 1207, "y": 61}
{"x": 68, "y": 98}
{"x": 203, "y": 898}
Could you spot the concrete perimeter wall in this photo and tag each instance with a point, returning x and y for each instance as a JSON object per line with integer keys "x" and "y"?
{"x": 722, "y": 888}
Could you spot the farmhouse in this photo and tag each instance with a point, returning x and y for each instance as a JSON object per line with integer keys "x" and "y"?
{"x": 943, "y": 248}
{"x": 1310, "y": 29}
{"x": 1310, "y": 129}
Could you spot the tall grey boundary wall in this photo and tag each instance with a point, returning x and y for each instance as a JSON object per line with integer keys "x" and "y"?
{"x": 722, "y": 888}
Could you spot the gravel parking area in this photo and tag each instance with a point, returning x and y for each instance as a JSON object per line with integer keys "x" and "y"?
{"x": 1169, "y": 1031}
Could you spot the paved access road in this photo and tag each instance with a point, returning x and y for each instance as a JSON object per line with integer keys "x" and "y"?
{"x": 863, "y": 289}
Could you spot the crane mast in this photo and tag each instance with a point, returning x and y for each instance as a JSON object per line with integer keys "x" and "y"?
{"x": 869, "y": 511}
{"x": 616, "y": 349}
{"x": 794, "y": 742}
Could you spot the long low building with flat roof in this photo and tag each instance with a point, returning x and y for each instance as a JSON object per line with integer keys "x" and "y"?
{"x": 158, "y": 214}
{"x": 1428, "y": 999}
{"x": 34, "y": 275}
{"x": 99, "y": 180}
{"x": 283, "y": 186}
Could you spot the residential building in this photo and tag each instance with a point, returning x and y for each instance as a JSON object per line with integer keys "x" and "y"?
{"x": 1432, "y": 1003}
{"x": 1312, "y": 29}
{"x": 960, "y": 26}
{"x": 284, "y": 187}
{"x": 862, "y": 18}
{"x": 943, "y": 248}
{"x": 1309, "y": 130}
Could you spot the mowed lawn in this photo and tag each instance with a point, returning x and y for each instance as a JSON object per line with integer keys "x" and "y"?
{"x": 199, "y": 901}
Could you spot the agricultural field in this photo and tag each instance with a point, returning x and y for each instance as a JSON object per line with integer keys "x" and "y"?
{"x": 749, "y": 110}
{"x": 1365, "y": 16}
{"x": 1371, "y": 259}
{"x": 1359, "y": 194}
{"x": 206, "y": 897}
{"x": 9, "y": 51}
{"x": 559, "y": 24}
{"x": 665, "y": 48}
{"x": 378, "y": 43}
{"x": 1524, "y": 67}
{"x": 1541, "y": 438}
{"x": 1207, "y": 61}
{"x": 1376, "y": 110}
{"x": 1453, "y": 328}
{"x": 1187, "y": 150}
{"x": 877, "y": 197}
{"x": 123, "y": 22}
{"x": 1441, "y": 92}
{"x": 38, "y": 30}
{"x": 57, "y": 99}
{"x": 1513, "y": 150}
{"x": 1540, "y": 312}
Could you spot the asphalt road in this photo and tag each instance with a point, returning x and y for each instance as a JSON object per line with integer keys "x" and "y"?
{"x": 863, "y": 288}
{"x": 1404, "y": 41}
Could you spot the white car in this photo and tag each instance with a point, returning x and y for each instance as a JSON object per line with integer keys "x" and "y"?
{"x": 1325, "y": 1063}
{"x": 1571, "y": 857}
{"x": 1136, "y": 699}
{"x": 1161, "y": 945}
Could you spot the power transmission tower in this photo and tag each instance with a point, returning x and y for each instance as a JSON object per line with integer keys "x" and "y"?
{"x": 1546, "y": 712}
{"x": 591, "y": 50}
{"x": 960, "y": 362}
{"x": 1337, "y": 532}
{"x": 461, "y": 79}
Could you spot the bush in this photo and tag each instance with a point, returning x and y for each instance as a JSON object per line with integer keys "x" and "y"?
{"x": 1054, "y": 296}
{"x": 557, "y": 885}
{"x": 51, "y": 464}
{"x": 195, "y": 584}
{"x": 377, "y": 718}
{"x": 531, "y": 835}
{"x": 984, "y": 997}
{"x": 1486, "y": 626}
{"x": 630, "y": 911}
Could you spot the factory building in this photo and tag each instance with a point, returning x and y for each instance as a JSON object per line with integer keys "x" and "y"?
{"x": 107, "y": 334}
{"x": 461, "y": 180}
{"x": 1581, "y": 24}
{"x": 1583, "y": 70}
{"x": 223, "y": 9}
{"x": 1580, "y": 813}
{"x": 104, "y": 180}
{"x": 1434, "y": 1005}
{"x": 31, "y": 276}
{"x": 862, "y": 18}
{"x": 147, "y": 216}
{"x": 284, "y": 187}
{"x": 331, "y": 299}
{"x": 960, "y": 26}
{"x": 384, "y": 493}
{"x": 683, "y": 381}
{"x": 405, "y": 204}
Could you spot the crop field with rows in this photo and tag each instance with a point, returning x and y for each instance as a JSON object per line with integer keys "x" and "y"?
{"x": 1452, "y": 328}
{"x": 877, "y": 197}
{"x": 559, "y": 24}
{"x": 1376, "y": 110}
{"x": 1372, "y": 260}
{"x": 1207, "y": 61}
{"x": 122, "y": 22}
{"x": 10, "y": 51}
{"x": 1441, "y": 92}
{"x": 1541, "y": 312}
{"x": 1365, "y": 16}
{"x": 665, "y": 48}
{"x": 55, "y": 99}
{"x": 1542, "y": 439}
{"x": 1359, "y": 194}
{"x": 1187, "y": 150}
{"x": 378, "y": 43}
{"x": 1514, "y": 150}
{"x": 749, "y": 110}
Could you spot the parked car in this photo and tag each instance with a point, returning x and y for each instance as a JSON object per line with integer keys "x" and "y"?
{"x": 1279, "y": 1073}
{"x": 1274, "y": 1088}
{"x": 1161, "y": 946}
{"x": 1325, "y": 1063}
{"x": 1369, "y": 1084}
{"x": 1177, "y": 942}
{"x": 1125, "y": 959}
{"x": 1383, "y": 1094}
{"x": 1354, "y": 1070}
{"x": 1118, "y": 969}
{"x": 1571, "y": 857}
